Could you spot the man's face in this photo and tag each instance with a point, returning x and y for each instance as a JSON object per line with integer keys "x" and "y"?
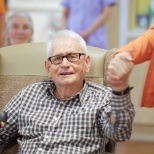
{"x": 67, "y": 73}
{"x": 19, "y": 31}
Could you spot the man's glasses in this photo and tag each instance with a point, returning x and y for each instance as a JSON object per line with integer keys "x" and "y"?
{"x": 72, "y": 57}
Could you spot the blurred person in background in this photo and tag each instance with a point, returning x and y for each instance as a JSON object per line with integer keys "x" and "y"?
{"x": 2, "y": 22}
{"x": 19, "y": 28}
{"x": 87, "y": 18}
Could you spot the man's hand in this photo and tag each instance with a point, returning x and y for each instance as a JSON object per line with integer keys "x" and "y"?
{"x": 3, "y": 118}
{"x": 118, "y": 71}
{"x": 1, "y": 124}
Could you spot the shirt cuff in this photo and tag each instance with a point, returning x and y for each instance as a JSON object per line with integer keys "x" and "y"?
{"x": 120, "y": 102}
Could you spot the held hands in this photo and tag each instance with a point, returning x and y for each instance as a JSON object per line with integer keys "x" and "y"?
{"x": 1, "y": 124}
{"x": 118, "y": 71}
{"x": 3, "y": 118}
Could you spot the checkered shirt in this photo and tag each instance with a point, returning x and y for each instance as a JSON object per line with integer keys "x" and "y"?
{"x": 79, "y": 125}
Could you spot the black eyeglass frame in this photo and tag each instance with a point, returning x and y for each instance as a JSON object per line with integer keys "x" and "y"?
{"x": 66, "y": 56}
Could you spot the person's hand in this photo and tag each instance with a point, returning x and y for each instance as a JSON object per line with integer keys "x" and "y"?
{"x": 1, "y": 124}
{"x": 3, "y": 118}
{"x": 118, "y": 71}
{"x": 84, "y": 34}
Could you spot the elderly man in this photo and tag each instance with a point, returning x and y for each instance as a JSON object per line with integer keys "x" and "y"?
{"x": 68, "y": 115}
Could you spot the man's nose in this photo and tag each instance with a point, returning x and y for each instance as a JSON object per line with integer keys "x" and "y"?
{"x": 65, "y": 61}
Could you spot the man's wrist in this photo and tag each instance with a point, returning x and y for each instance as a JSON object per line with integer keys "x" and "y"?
{"x": 123, "y": 92}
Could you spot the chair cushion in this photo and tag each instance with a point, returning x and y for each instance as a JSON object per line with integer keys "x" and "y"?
{"x": 11, "y": 85}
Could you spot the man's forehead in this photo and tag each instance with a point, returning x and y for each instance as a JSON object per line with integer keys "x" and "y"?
{"x": 64, "y": 38}
{"x": 66, "y": 43}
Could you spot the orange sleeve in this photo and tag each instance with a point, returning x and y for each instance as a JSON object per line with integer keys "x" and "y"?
{"x": 2, "y": 7}
{"x": 142, "y": 49}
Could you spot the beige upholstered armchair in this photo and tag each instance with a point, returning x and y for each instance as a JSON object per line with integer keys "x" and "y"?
{"x": 23, "y": 64}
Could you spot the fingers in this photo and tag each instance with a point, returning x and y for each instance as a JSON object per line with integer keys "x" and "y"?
{"x": 113, "y": 80}
{"x": 120, "y": 66}
{"x": 1, "y": 124}
{"x": 119, "y": 69}
{"x": 126, "y": 55}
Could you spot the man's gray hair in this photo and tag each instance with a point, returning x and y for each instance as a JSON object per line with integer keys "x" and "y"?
{"x": 65, "y": 33}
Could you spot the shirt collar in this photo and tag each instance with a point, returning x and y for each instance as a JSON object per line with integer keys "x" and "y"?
{"x": 82, "y": 94}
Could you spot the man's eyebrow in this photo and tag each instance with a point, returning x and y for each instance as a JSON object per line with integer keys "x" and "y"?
{"x": 64, "y": 54}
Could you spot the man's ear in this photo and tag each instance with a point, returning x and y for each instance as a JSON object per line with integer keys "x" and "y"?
{"x": 87, "y": 60}
{"x": 47, "y": 67}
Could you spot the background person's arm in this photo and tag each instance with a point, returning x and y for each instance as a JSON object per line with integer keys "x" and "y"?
{"x": 100, "y": 21}
{"x": 64, "y": 18}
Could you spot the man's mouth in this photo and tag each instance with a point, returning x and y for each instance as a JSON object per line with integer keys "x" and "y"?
{"x": 67, "y": 73}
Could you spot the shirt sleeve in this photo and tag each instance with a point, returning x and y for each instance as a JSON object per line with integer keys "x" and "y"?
{"x": 122, "y": 111}
{"x": 2, "y": 7}
{"x": 10, "y": 129}
{"x": 109, "y": 2}
{"x": 65, "y": 3}
{"x": 142, "y": 47}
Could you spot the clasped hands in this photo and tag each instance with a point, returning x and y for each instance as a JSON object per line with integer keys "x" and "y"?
{"x": 118, "y": 71}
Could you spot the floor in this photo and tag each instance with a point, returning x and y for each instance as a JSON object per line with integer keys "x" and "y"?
{"x": 134, "y": 147}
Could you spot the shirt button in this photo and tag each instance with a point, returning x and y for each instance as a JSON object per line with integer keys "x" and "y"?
{"x": 55, "y": 119}
{"x": 55, "y": 129}
{"x": 62, "y": 102}
{"x": 40, "y": 149}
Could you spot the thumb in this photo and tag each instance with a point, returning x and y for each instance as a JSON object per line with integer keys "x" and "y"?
{"x": 129, "y": 55}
